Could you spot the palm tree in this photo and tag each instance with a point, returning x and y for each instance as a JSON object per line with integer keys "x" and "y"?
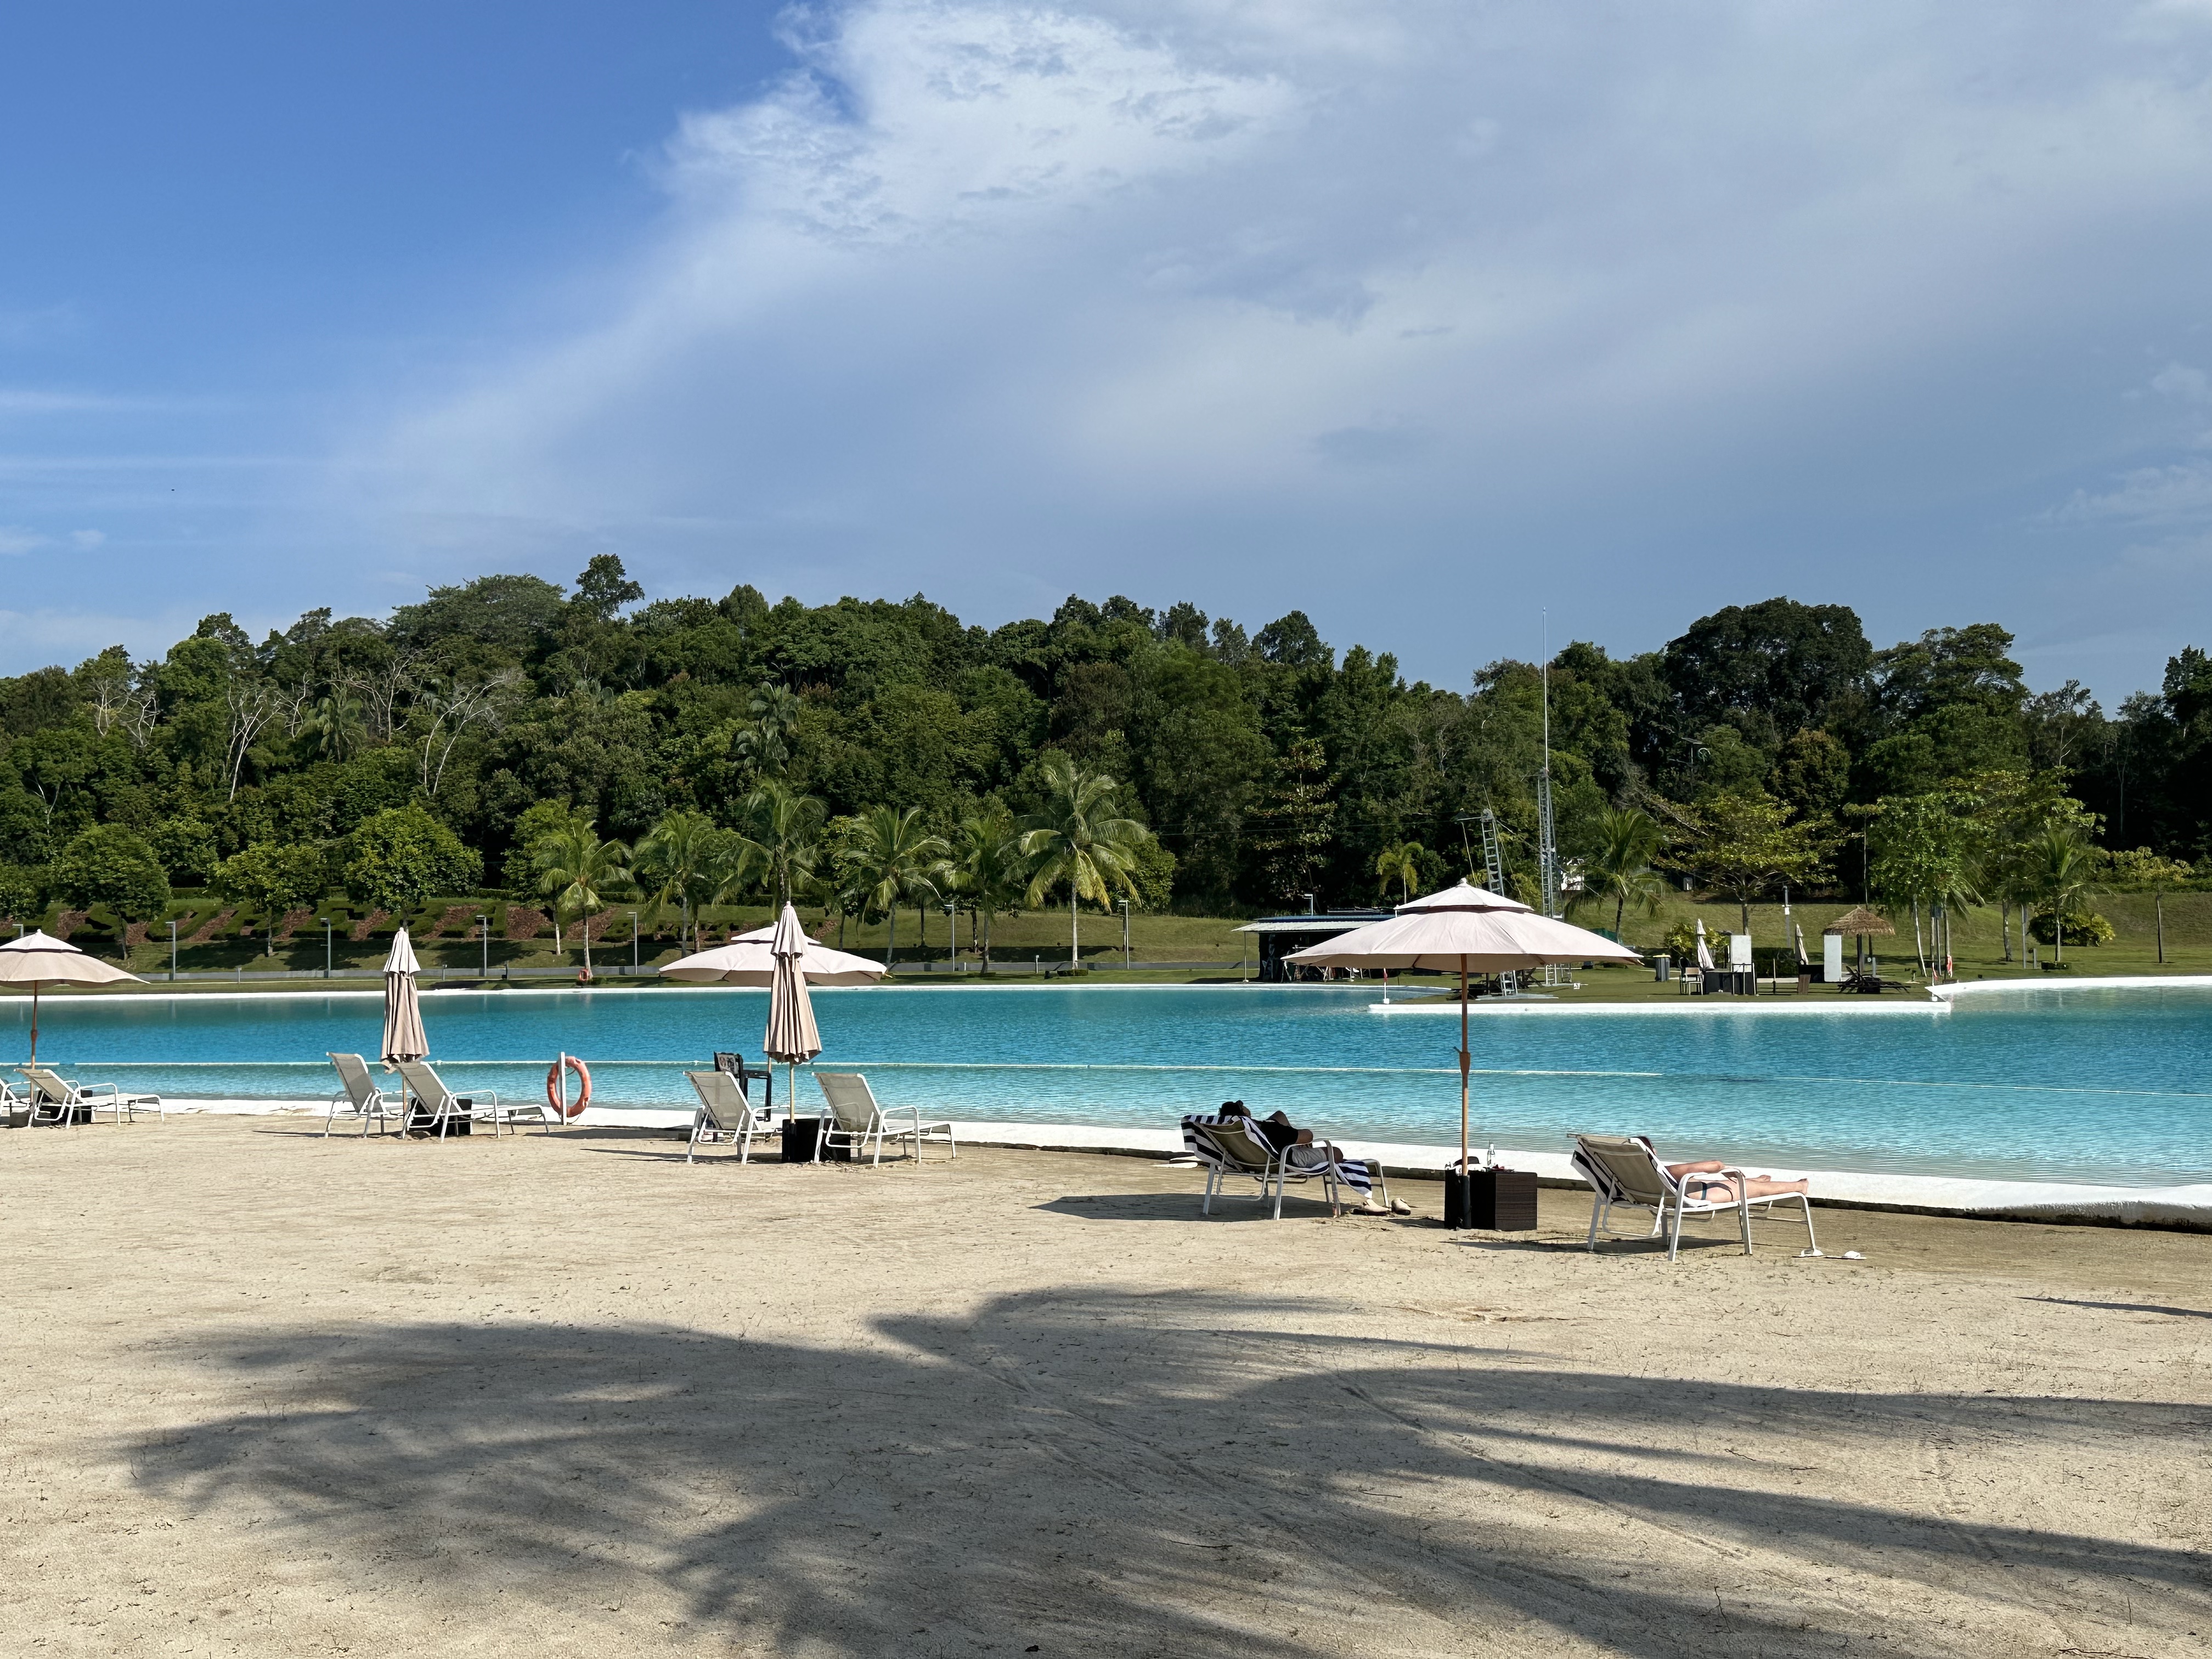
{"x": 336, "y": 728}
{"x": 992, "y": 873}
{"x": 765, "y": 744}
{"x": 581, "y": 871}
{"x": 1621, "y": 870}
{"x": 686, "y": 858}
{"x": 1401, "y": 864}
{"x": 2063, "y": 866}
{"x": 1076, "y": 839}
{"x": 892, "y": 858}
{"x": 782, "y": 835}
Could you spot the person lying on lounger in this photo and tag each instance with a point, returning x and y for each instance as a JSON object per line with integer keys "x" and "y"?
{"x": 1283, "y": 1135}
{"x": 1705, "y": 1181}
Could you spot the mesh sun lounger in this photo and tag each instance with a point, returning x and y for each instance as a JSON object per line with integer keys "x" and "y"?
{"x": 359, "y": 1096}
{"x": 483, "y": 1105}
{"x": 54, "y": 1099}
{"x": 856, "y": 1120}
{"x": 1233, "y": 1146}
{"x": 724, "y": 1114}
{"x": 1625, "y": 1172}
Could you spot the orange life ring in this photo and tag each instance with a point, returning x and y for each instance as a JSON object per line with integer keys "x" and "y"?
{"x": 553, "y": 1085}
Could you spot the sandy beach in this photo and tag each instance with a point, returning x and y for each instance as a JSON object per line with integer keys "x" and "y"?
{"x": 270, "y": 1395}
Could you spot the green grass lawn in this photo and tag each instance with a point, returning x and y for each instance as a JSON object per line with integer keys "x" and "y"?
{"x": 242, "y": 942}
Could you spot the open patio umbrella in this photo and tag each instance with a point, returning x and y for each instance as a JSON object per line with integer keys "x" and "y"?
{"x": 792, "y": 1035}
{"x": 1464, "y": 930}
{"x": 39, "y": 960}
{"x": 402, "y": 1003}
{"x": 749, "y": 959}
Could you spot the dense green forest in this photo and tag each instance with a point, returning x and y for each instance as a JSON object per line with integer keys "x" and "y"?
{"x": 856, "y": 751}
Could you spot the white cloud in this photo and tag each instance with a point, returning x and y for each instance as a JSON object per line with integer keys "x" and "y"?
{"x": 1226, "y": 299}
{"x": 15, "y": 539}
{"x": 2150, "y": 494}
{"x": 88, "y": 539}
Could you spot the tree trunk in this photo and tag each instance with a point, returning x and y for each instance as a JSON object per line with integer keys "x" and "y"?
{"x": 2004, "y": 926}
{"x": 1074, "y": 929}
{"x": 2158, "y": 902}
{"x": 986, "y": 941}
{"x": 2058, "y": 931}
{"x": 890, "y": 938}
{"x": 1919, "y": 951}
{"x": 584, "y": 928}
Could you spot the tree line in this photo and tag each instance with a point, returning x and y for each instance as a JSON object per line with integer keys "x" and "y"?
{"x": 579, "y": 744}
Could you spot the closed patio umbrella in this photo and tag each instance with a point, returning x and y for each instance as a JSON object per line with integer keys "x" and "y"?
{"x": 1704, "y": 954}
{"x": 39, "y": 960}
{"x": 1464, "y": 930}
{"x": 402, "y": 1004}
{"x": 792, "y": 1035}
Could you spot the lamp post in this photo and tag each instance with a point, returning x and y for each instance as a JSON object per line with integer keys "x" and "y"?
{"x": 325, "y": 921}
{"x": 483, "y": 937}
{"x": 173, "y": 951}
{"x": 633, "y": 942}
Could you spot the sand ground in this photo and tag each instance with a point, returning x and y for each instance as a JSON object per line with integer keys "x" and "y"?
{"x": 270, "y": 1395}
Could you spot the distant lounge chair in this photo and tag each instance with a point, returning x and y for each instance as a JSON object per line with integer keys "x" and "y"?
{"x": 483, "y": 1105}
{"x": 1233, "y": 1146}
{"x": 855, "y": 1121}
{"x": 56, "y": 1100}
{"x": 359, "y": 1096}
{"x": 724, "y": 1114}
{"x": 1625, "y": 1172}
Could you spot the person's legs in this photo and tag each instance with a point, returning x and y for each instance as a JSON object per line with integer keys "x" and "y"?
{"x": 1708, "y": 1166}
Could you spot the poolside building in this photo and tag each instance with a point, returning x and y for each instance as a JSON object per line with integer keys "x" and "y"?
{"x": 1279, "y": 936}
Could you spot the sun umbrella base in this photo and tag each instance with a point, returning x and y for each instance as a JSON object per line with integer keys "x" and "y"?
{"x": 1499, "y": 1200}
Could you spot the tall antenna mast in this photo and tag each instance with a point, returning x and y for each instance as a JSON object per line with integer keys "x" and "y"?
{"x": 1547, "y": 850}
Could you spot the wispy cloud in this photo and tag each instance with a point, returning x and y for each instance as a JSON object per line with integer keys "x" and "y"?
{"x": 14, "y": 538}
{"x": 2179, "y": 494}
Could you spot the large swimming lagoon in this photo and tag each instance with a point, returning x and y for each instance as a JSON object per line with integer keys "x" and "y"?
{"x": 2109, "y": 1086}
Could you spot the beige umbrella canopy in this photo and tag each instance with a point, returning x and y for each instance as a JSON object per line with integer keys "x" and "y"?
{"x": 404, "y": 1038}
{"x": 749, "y": 959}
{"x": 1464, "y": 930}
{"x": 39, "y": 960}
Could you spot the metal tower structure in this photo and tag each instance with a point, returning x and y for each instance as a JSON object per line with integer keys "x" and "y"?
{"x": 1492, "y": 864}
{"x": 1547, "y": 846}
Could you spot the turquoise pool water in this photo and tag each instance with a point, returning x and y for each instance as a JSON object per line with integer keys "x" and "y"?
{"x": 2096, "y": 1086}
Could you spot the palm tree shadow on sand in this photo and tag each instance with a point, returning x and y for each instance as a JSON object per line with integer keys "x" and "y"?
{"x": 1099, "y": 1472}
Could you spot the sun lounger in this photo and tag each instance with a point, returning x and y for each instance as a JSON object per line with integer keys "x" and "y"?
{"x": 483, "y": 1105}
{"x": 724, "y": 1114}
{"x": 1625, "y": 1172}
{"x": 359, "y": 1096}
{"x": 857, "y": 1122}
{"x": 56, "y": 1100}
{"x": 1233, "y": 1146}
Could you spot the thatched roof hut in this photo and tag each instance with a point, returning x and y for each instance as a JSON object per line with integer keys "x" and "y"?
{"x": 1860, "y": 921}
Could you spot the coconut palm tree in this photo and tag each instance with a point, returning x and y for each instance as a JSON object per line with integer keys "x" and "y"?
{"x": 893, "y": 860}
{"x": 2063, "y": 866}
{"x": 581, "y": 871}
{"x": 782, "y": 835}
{"x": 1620, "y": 871}
{"x": 991, "y": 873}
{"x": 1076, "y": 839}
{"x": 1401, "y": 864}
{"x": 686, "y": 859}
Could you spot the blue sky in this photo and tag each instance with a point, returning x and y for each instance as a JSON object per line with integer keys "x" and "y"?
{"x": 1421, "y": 317}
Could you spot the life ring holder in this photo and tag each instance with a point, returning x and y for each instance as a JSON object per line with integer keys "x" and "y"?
{"x": 557, "y": 1091}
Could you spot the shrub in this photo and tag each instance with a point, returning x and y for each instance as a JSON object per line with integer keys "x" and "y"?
{"x": 2082, "y": 927}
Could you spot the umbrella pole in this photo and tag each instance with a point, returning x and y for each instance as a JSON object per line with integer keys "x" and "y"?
{"x": 34, "y": 1022}
{"x": 1464, "y": 1062}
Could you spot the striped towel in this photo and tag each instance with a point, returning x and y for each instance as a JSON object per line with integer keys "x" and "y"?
{"x": 1309, "y": 1161}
